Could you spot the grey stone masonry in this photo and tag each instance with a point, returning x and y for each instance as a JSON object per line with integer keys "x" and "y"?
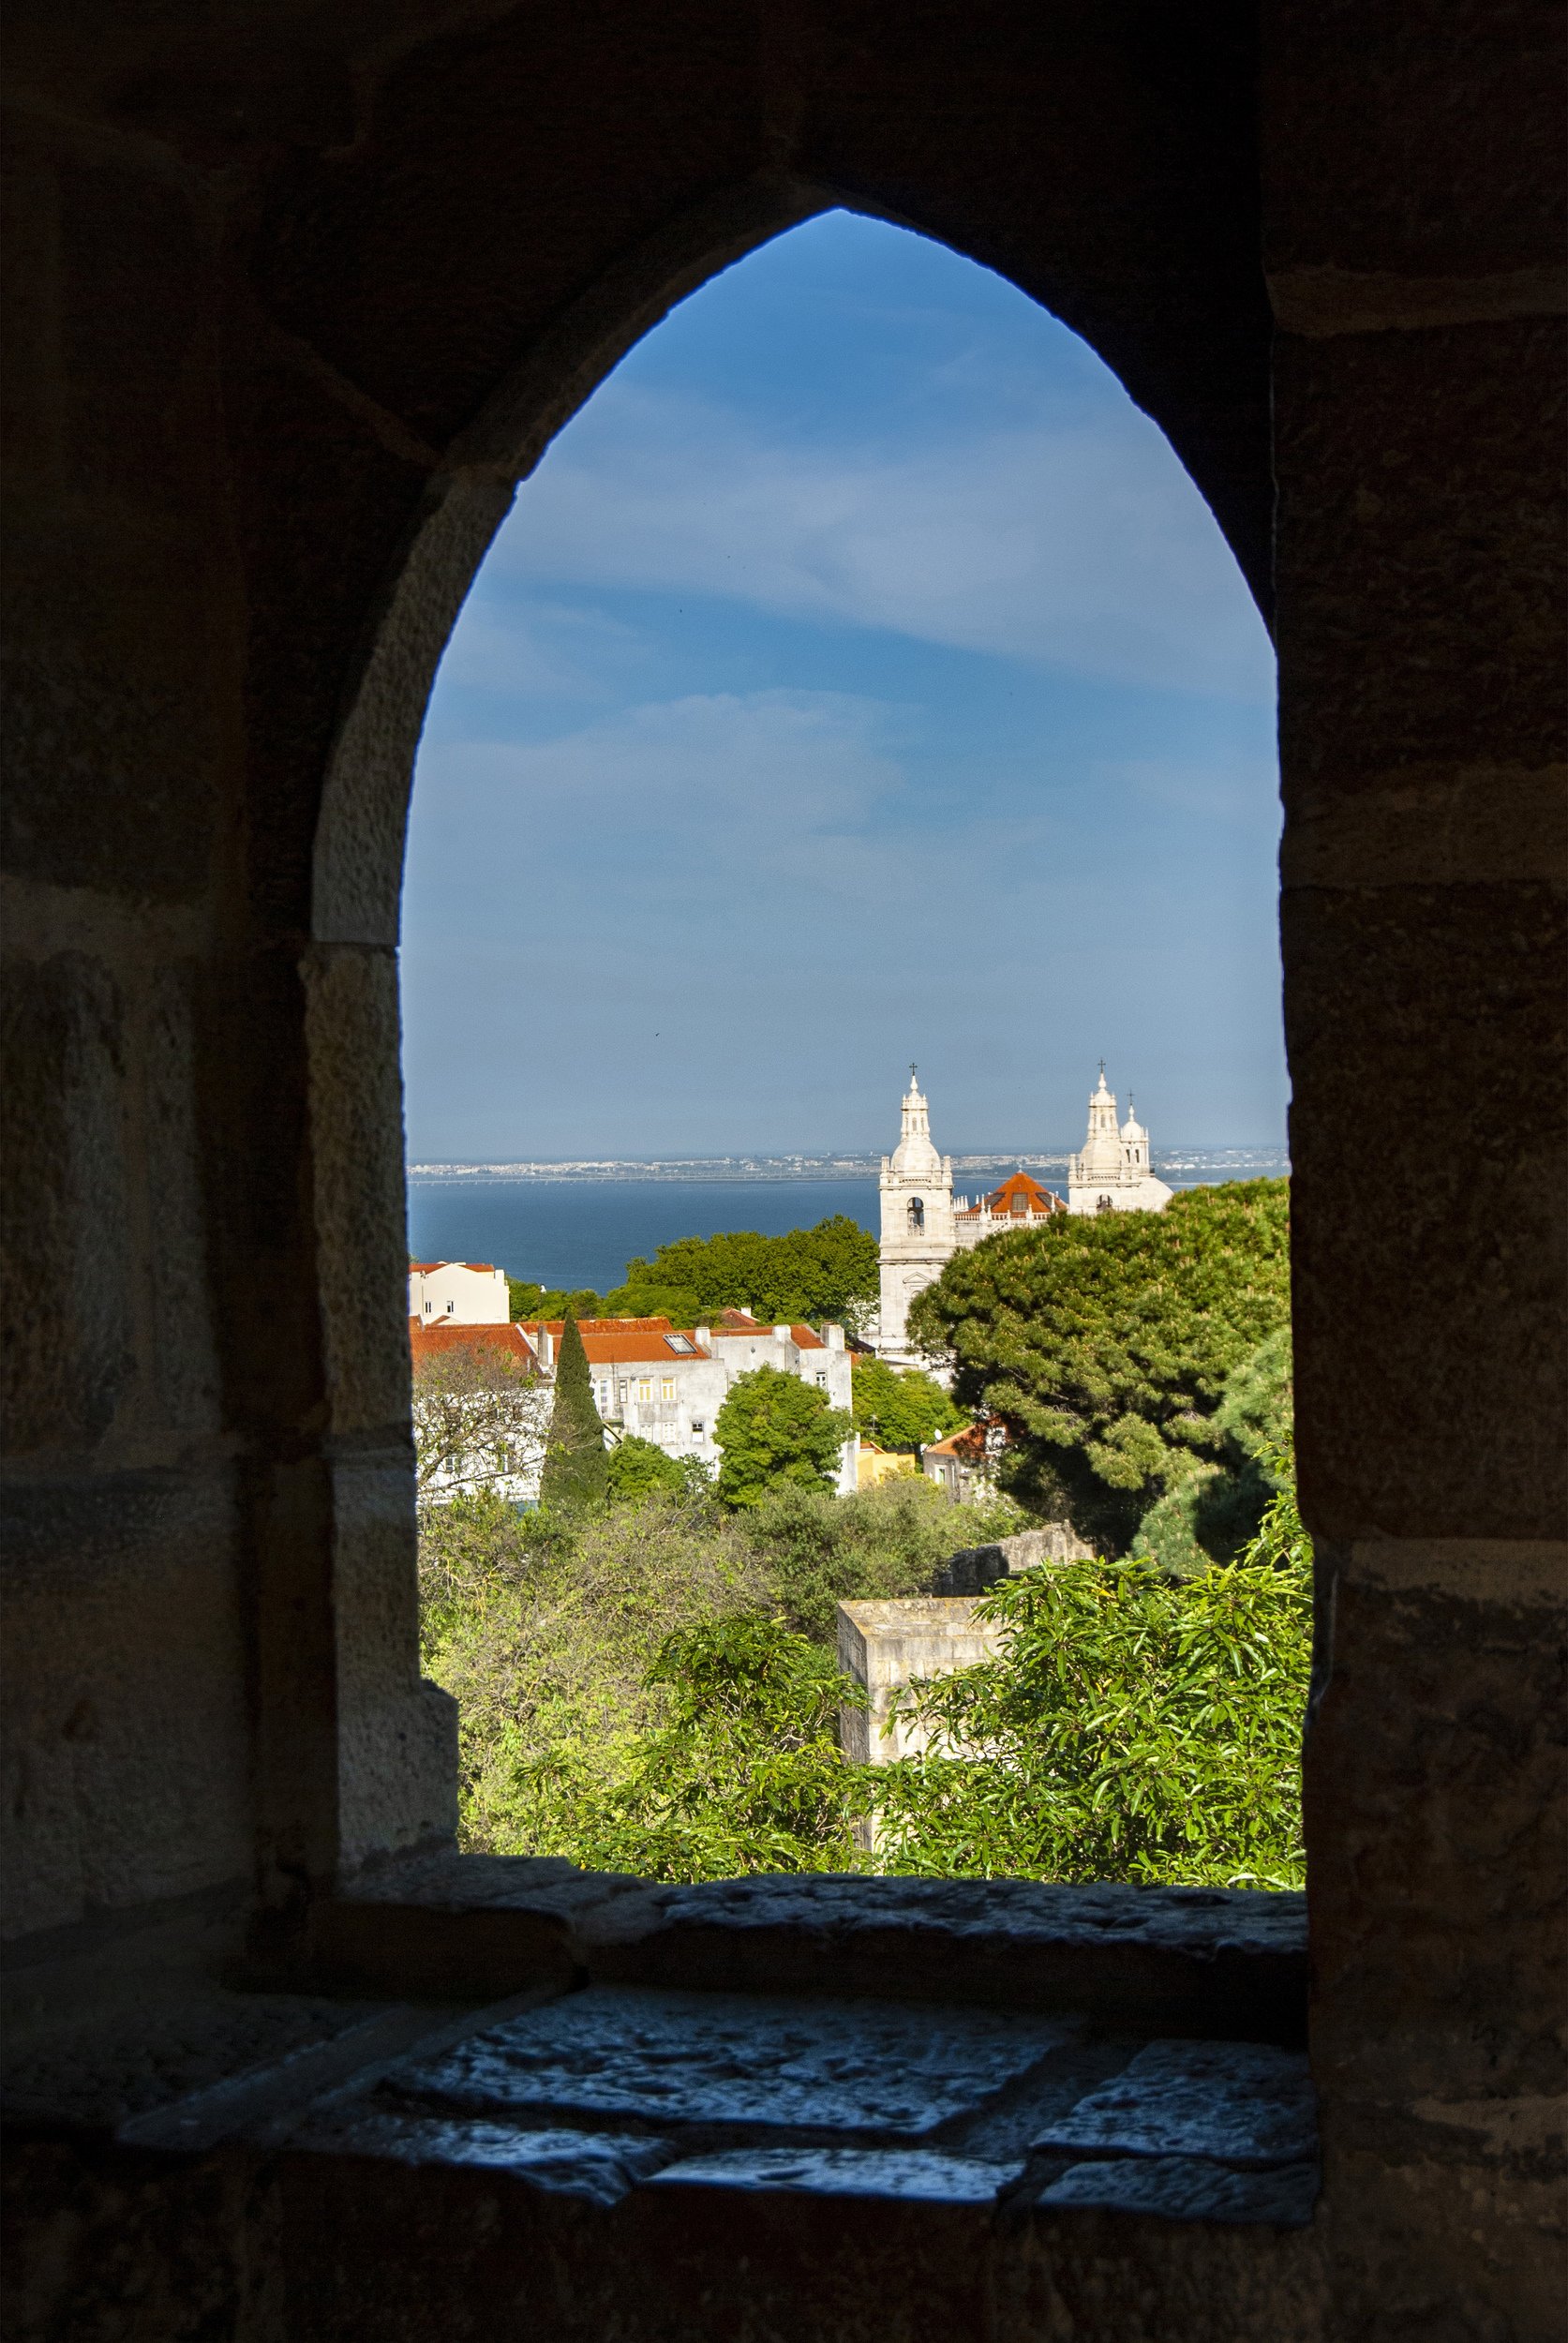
{"x": 974, "y": 1568}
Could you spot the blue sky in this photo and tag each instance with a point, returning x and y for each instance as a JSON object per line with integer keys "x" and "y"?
{"x": 860, "y": 677}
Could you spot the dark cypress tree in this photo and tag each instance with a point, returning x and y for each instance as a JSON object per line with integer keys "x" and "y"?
{"x": 576, "y": 1469}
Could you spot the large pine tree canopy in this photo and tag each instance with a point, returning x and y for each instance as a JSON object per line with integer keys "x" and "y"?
{"x": 1103, "y": 1342}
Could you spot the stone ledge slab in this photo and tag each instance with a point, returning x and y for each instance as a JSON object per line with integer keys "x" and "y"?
{"x": 1226, "y": 1963}
{"x": 1244, "y": 2103}
{"x": 736, "y": 2067}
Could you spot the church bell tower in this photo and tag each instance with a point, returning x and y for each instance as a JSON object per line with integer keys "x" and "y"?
{"x": 917, "y": 1239}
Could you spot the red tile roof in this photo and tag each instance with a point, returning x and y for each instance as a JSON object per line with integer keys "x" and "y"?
{"x": 426, "y": 1339}
{"x": 607, "y": 1325}
{"x": 1016, "y": 1199}
{"x": 626, "y": 1341}
{"x": 426, "y": 1268}
{"x": 737, "y": 1322}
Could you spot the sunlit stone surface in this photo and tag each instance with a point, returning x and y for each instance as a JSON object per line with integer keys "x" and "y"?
{"x": 875, "y": 2070}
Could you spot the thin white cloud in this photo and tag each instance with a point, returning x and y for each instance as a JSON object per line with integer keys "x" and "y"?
{"x": 1079, "y": 543}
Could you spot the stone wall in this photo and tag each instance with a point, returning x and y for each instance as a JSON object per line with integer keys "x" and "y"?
{"x": 294, "y": 300}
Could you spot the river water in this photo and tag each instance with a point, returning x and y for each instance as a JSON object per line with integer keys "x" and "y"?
{"x": 583, "y": 1232}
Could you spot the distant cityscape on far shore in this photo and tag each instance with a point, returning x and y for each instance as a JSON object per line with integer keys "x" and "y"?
{"x": 1189, "y": 1164}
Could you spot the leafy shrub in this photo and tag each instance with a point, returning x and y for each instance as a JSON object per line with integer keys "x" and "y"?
{"x": 817, "y": 1551}
{"x": 1134, "y": 1726}
{"x": 544, "y": 1627}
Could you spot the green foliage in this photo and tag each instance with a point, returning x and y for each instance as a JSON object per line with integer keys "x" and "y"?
{"x": 826, "y": 1272}
{"x": 544, "y": 1627}
{"x": 678, "y": 1303}
{"x": 772, "y": 1427}
{"x": 1213, "y": 1514}
{"x": 550, "y": 1302}
{"x": 576, "y": 1469}
{"x": 638, "y": 1468}
{"x": 1104, "y": 1341}
{"x": 633, "y": 1697}
{"x": 1135, "y": 1727}
{"x": 628, "y": 1696}
{"x": 817, "y": 1550}
{"x": 747, "y": 1775}
{"x": 901, "y": 1410}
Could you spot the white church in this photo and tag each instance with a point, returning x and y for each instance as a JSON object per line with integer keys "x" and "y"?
{"x": 924, "y": 1224}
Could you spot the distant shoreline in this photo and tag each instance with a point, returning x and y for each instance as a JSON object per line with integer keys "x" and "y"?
{"x": 1221, "y": 1163}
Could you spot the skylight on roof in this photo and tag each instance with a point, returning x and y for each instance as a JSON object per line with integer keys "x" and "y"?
{"x": 680, "y": 1342}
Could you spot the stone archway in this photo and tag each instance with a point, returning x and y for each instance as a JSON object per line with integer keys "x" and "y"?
{"x": 295, "y": 295}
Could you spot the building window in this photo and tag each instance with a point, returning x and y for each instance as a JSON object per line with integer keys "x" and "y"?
{"x": 666, "y": 1389}
{"x": 645, "y": 1391}
{"x": 698, "y": 1426}
{"x": 917, "y": 1213}
{"x": 822, "y": 1377}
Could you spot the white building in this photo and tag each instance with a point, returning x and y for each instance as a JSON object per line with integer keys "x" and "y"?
{"x": 666, "y": 1384}
{"x": 924, "y": 1224}
{"x": 917, "y": 1239}
{"x": 481, "y": 1410}
{"x": 464, "y": 1292}
{"x": 1113, "y": 1174}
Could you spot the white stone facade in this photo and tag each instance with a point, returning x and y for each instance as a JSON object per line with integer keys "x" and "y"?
{"x": 463, "y": 1292}
{"x": 916, "y": 1239}
{"x": 1111, "y": 1173}
{"x": 666, "y": 1384}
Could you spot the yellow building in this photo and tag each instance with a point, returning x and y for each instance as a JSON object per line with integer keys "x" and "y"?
{"x": 875, "y": 1465}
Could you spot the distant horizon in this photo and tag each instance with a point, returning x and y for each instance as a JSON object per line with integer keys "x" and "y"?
{"x": 750, "y": 1162}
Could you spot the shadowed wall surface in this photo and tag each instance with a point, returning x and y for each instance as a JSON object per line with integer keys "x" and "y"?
{"x": 296, "y": 298}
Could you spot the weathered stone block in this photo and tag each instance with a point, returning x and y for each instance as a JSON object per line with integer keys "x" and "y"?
{"x": 885, "y": 1646}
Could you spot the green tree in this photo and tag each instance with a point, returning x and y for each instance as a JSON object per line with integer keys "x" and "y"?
{"x": 1212, "y": 1516}
{"x": 576, "y": 1469}
{"x": 638, "y": 1467}
{"x": 774, "y": 1428}
{"x": 550, "y": 1302}
{"x": 1103, "y": 1342}
{"x": 900, "y": 1410}
{"x": 826, "y": 1272}
{"x": 678, "y": 1303}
